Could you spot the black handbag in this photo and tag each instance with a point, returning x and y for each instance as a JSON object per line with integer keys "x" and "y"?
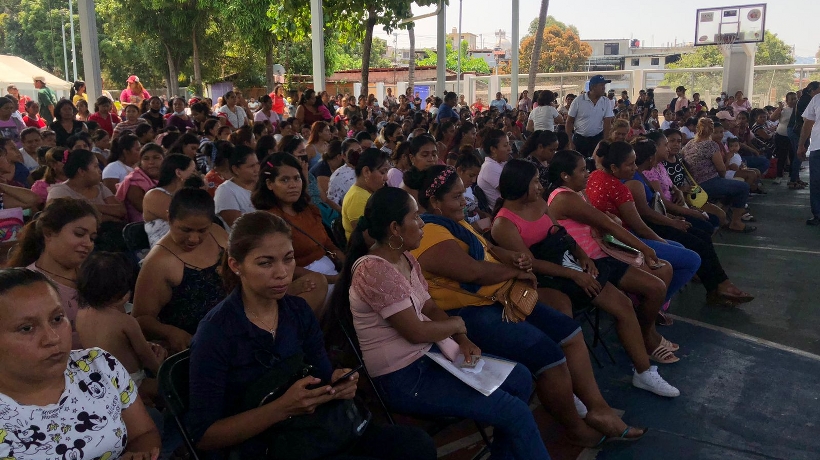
{"x": 333, "y": 428}
{"x": 557, "y": 248}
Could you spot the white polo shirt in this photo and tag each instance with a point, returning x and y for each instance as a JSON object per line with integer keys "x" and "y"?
{"x": 812, "y": 113}
{"x": 589, "y": 117}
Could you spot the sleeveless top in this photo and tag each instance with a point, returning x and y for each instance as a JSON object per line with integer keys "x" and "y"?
{"x": 199, "y": 291}
{"x": 580, "y": 232}
{"x": 157, "y": 228}
{"x": 531, "y": 231}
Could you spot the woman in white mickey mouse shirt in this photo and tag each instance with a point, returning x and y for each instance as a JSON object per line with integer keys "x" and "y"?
{"x": 56, "y": 403}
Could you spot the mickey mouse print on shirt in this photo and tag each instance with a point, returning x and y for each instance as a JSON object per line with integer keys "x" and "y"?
{"x": 86, "y": 423}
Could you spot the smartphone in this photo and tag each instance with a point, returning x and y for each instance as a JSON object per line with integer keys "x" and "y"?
{"x": 346, "y": 376}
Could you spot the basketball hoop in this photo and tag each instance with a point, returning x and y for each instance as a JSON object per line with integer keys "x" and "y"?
{"x": 725, "y": 42}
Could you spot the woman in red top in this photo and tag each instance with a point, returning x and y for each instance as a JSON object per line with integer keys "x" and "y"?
{"x": 102, "y": 115}
{"x": 606, "y": 192}
{"x": 278, "y": 97}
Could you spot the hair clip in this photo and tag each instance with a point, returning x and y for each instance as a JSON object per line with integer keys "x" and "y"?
{"x": 66, "y": 153}
{"x": 270, "y": 165}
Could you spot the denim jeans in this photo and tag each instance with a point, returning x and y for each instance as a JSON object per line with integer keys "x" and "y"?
{"x": 734, "y": 191}
{"x": 535, "y": 343}
{"x": 760, "y": 163}
{"x": 814, "y": 182}
{"x": 794, "y": 174}
{"x": 685, "y": 263}
{"x": 425, "y": 388}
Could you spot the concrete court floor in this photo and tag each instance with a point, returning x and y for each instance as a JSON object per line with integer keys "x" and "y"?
{"x": 747, "y": 375}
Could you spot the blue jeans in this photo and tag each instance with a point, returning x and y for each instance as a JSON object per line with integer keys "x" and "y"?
{"x": 760, "y": 163}
{"x": 794, "y": 174}
{"x": 814, "y": 182}
{"x": 535, "y": 343}
{"x": 685, "y": 263}
{"x": 734, "y": 191}
{"x": 425, "y": 388}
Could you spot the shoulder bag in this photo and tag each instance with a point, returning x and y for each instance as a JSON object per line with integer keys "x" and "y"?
{"x": 696, "y": 197}
{"x": 333, "y": 428}
{"x": 330, "y": 254}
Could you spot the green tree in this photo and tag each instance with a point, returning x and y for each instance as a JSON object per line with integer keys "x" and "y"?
{"x": 468, "y": 63}
{"x": 350, "y": 55}
{"x": 551, "y": 21}
{"x": 769, "y": 84}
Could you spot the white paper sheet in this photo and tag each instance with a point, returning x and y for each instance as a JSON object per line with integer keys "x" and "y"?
{"x": 492, "y": 375}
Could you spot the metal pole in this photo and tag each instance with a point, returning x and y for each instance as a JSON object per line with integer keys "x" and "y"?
{"x": 90, "y": 47}
{"x": 65, "y": 53}
{"x": 514, "y": 68}
{"x": 318, "y": 44}
{"x": 458, "y": 72}
{"x": 73, "y": 48}
{"x": 441, "y": 39}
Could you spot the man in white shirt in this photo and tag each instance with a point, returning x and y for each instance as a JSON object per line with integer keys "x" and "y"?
{"x": 589, "y": 119}
{"x": 31, "y": 140}
{"x": 610, "y": 95}
{"x": 811, "y": 133}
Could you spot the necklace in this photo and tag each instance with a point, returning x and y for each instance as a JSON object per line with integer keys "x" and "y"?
{"x": 54, "y": 274}
{"x": 271, "y": 330}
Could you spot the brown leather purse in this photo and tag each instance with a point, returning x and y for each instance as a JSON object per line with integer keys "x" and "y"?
{"x": 516, "y": 296}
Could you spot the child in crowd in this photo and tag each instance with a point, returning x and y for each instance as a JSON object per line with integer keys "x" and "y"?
{"x": 49, "y": 138}
{"x": 223, "y": 133}
{"x": 32, "y": 117}
{"x": 635, "y": 128}
{"x": 104, "y": 286}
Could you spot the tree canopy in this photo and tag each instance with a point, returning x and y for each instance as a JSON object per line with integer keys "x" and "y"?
{"x": 468, "y": 63}
{"x": 562, "y": 50}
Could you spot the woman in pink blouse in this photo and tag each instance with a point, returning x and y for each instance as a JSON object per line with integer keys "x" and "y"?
{"x": 136, "y": 184}
{"x": 397, "y": 323}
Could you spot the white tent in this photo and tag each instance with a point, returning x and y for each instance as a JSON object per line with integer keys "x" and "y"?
{"x": 20, "y": 73}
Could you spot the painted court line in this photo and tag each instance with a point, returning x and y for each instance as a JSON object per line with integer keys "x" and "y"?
{"x": 768, "y": 248}
{"x": 749, "y": 338}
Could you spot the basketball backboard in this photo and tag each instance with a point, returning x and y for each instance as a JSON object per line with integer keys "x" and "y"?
{"x": 730, "y": 24}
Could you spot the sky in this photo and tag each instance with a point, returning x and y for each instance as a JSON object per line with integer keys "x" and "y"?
{"x": 668, "y": 21}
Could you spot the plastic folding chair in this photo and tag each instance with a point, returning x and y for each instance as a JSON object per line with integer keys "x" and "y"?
{"x": 135, "y": 237}
{"x": 173, "y": 386}
{"x": 438, "y": 424}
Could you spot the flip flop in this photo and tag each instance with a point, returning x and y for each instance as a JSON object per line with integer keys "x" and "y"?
{"x": 669, "y": 345}
{"x": 663, "y": 355}
{"x": 746, "y": 229}
{"x": 748, "y": 218}
{"x": 663, "y": 320}
{"x": 623, "y": 438}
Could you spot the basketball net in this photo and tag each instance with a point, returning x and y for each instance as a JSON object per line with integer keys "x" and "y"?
{"x": 725, "y": 43}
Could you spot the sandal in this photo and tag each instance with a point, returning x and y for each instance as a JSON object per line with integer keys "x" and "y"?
{"x": 714, "y": 299}
{"x": 796, "y": 186}
{"x": 746, "y": 229}
{"x": 748, "y": 218}
{"x": 623, "y": 438}
{"x": 663, "y": 320}
{"x": 740, "y": 297}
{"x": 669, "y": 345}
{"x": 663, "y": 355}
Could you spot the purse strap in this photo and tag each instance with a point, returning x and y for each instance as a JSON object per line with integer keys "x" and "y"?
{"x": 329, "y": 253}
{"x": 688, "y": 174}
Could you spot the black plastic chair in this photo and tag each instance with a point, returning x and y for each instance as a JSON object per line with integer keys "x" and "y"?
{"x": 592, "y": 316}
{"x": 173, "y": 387}
{"x": 135, "y": 237}
{"x": 438, "y": 424}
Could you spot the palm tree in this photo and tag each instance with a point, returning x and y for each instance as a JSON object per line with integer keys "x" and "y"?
{"x": 536, "y": 47}
{"x": 411, "y": 65}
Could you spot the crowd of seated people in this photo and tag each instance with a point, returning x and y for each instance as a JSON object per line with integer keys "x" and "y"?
{"x": 266, "y": 234}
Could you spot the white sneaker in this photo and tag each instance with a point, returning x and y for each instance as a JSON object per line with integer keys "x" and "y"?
{"x": 650, "y": 380}
{"x": 778, "y": 180}
{"x": 580, "y": 407}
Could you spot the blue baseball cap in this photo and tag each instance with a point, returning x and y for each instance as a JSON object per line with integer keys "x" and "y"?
{"x": 597, "y": 80}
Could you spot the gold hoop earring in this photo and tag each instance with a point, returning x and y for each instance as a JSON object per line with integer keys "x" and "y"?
{"x": 390, "y": 243}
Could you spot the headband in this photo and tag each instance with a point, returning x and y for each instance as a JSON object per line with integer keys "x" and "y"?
{"x": 439, "y": 181}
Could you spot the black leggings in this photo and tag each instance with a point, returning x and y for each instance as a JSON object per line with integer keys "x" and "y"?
{"x": 784, "y": 151}
{"x": 710, "y": 272}
{"x": 391, "y": 442}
